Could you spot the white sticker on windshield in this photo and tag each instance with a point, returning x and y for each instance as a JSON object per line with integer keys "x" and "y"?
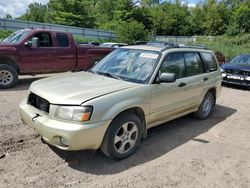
{"x": 149, "y": 55}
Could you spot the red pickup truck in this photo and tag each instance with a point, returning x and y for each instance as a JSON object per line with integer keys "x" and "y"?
{"x": 30, "y": 52}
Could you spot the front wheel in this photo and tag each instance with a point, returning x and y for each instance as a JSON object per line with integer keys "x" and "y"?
{"x": 206, "y": 107}
{"x": 122, "y": 137}
{"x": 8, "y": 76}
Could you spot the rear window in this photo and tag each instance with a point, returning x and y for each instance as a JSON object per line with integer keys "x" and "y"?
{"x": 62, "y": 40}
{"x": 210, "y": 61}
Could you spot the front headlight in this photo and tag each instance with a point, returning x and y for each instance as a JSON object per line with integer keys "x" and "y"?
{"x": 74, "y": 113}
{"x": 223, "y": 72}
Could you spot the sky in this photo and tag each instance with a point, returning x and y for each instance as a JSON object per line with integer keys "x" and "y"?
{"x": 17, "y": 8}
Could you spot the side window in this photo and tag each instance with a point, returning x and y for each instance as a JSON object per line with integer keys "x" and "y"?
{"x": 44, "y": 39}
{"x": 210, "y": 61}
{"x": 62, "y": 40}
{"x": 174, "y": 63}
{"x": 194, "y": 64}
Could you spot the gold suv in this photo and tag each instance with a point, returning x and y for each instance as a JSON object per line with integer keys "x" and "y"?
{"x": 114, "y": 104}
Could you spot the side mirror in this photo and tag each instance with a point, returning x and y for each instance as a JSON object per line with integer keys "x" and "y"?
{"x": 28, "y": 43}
{"x": 35, "y": 42}
{"x": 167, "y": 77}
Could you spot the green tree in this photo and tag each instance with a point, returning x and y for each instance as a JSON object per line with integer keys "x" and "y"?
{"x": 132, "y": 31}
{"x": 242, "y": 17}
{"x": 8, "y": 16}
{"x": 36, "y": 12}
{"x": 171, "y": 19}
{"x": 71, "y": 12}
{"x": 216, "y": 18}
{"x": 104, "y": 11}
{"x": 198, "y": 18}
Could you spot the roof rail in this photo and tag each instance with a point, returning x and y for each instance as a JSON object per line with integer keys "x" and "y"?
{"x": 175, "y": 45}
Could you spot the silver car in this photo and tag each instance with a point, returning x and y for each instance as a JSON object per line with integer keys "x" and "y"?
{"x": 114, "y": 104}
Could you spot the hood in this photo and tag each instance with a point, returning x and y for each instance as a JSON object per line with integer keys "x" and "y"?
{"x": 241, "y": 67}
{"x": 6, "y": 47}
{"x": 76, "y": 88}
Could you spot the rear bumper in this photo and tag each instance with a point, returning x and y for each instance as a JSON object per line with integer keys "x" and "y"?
{"x": 78, "y": 136}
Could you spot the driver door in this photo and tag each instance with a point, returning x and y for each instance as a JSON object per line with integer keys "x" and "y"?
{"x": 37, "y": 60}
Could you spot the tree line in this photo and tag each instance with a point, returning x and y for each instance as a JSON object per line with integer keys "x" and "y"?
{"x": 138, "y": 20}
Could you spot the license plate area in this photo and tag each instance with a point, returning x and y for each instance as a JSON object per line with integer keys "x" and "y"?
{"x": 235, "y": 77}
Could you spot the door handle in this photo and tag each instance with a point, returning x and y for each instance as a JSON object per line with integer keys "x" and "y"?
{"x": 182, "y": 84}
{"x": 205, "y": 79}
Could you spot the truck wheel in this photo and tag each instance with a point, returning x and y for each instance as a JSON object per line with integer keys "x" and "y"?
{"x": 206, "y": 107}
{"x": 8, "y": 76}
{"x": 122, "y": 137}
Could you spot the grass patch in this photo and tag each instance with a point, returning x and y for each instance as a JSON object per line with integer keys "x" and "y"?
{"x": 230, "y": 46}
{"x": 4, "y": 34}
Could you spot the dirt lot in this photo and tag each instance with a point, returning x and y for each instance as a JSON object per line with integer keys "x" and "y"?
{"x": 182, "y": 153}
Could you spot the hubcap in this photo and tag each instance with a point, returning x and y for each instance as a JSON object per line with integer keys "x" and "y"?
{"x": 207, "y": 106}
{"x": 5, "y": 77}
{"x": 126, "y": 137}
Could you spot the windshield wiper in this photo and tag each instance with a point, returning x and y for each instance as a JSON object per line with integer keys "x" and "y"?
{"x": 91, "y": 71}
{"x": 109, "y": 75}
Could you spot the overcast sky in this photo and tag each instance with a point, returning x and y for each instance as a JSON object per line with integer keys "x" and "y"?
{"x": 17, "y": 8}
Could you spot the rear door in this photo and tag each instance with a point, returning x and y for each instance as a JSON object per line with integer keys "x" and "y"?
{"x": 171, "y": 99}
{"x": 63, "y": 55}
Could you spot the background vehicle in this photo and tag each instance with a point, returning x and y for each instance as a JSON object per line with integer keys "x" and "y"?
{"x": 220, "y": 57}
{"x": 90, "y": 43}
{"x": 131, "y": 90}
{"x": 237, "y": 71}
{"x": 113, "y": 44}
{"x": 30, "y": 52}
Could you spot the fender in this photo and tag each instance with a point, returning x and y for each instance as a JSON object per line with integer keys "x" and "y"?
{"x": 9, "y": 61}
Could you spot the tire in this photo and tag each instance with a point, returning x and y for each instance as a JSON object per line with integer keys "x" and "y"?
{"x": 206, "y": 107}
{"x": 8, "y": 76}
{"x": 122, "y": 137}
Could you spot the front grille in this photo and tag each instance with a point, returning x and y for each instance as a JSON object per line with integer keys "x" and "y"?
{"x": 238, "y": 72}
{"x": 38, "y": 102}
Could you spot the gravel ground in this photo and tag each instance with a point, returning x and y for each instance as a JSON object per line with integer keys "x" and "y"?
{"x": 182, "y": 153}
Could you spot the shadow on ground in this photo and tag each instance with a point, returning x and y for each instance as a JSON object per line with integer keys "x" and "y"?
{"x": 160, "y": 140}
{"x": 239, "y": 87}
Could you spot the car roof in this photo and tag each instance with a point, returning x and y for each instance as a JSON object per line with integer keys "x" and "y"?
{"x": 144, "y": 47}
{"x": 167, "y": 48}
{"x": 113, "y": 43}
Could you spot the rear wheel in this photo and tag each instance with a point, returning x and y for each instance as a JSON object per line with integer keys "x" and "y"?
{"x": 8, "y": 76}
{"x": 206, "y": 107}
{"x": 122, "y": 137}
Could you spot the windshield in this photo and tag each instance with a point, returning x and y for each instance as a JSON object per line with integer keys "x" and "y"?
{"x": 128, "y": 64}
{"x": 242, "y": 59}
{"x": 16, "y": 37}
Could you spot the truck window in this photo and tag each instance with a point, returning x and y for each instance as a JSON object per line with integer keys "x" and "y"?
{"x": 44, "y": 39}
{"x": 62, "y": 40}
